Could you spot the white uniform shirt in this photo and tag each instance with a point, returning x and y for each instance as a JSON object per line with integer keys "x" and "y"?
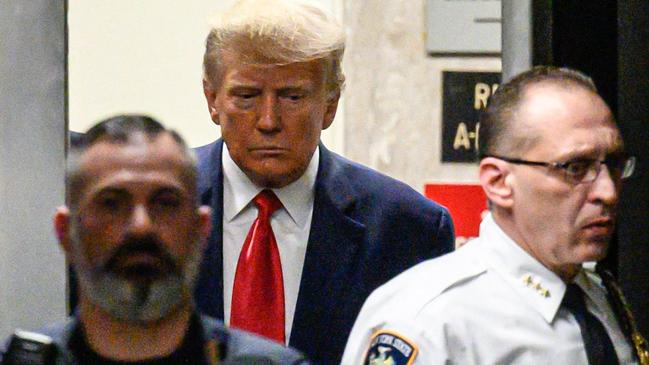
{"x": 291, "y": 225}
{"x": 489, "y": 302}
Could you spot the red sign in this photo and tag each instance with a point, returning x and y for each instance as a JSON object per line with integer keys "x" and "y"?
{"x": 465, "y": 202}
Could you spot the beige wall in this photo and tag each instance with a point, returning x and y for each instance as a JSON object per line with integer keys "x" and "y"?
{"x": 145, "y": 56}
{"x": 393, "y": 96}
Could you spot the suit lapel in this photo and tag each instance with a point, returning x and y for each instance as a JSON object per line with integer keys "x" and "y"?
{"x": 333, "y": 241}
{"x": 209, "y": 289}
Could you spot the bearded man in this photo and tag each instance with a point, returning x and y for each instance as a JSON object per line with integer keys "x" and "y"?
{"x": 134, "y": 233}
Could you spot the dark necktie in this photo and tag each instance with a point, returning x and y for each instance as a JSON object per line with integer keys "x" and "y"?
{"x": 599, "y": 348}
{"x": 258, "y": 292}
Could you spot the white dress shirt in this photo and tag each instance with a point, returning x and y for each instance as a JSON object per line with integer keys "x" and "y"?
{"x": 291, "y": 225}
{"x": 489, "y": 302}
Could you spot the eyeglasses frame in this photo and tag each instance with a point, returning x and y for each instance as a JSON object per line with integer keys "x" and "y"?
{"x": 627, "y": 169}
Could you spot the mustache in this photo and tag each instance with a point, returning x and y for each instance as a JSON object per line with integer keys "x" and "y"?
{"x": 149, "y": 244}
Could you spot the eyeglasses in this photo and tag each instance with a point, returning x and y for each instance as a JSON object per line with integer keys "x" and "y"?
{"x": 584, "y": 170}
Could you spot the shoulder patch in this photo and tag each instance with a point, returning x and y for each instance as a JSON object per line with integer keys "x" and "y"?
{"x": 390, "y": 348}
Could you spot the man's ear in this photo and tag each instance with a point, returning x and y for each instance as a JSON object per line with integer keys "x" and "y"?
{"x": 210, "y": 97}
{"x": 332, "y": 107}
{"x": 204, "y": 222}
{"x": 495, "y": 178}
{"x": 61, "y": 222}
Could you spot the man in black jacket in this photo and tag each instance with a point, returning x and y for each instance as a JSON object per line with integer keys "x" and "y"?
{"x": 134, "y": 234}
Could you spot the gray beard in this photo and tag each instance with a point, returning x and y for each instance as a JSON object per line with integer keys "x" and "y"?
{"x": 138, "y": 301}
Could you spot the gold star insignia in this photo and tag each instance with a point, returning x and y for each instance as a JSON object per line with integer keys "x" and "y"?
{"x": 529, "y": 282}
{"x": 527, "y": 279}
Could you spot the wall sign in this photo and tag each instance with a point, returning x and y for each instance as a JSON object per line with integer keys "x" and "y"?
{"x": 463, "y": 27}
{"x": 467, "y": 204}
{"x": 465, "y": 95}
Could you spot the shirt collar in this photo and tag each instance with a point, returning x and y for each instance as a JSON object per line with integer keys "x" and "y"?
{"x": 297, "y": 197}
{"x": 538, "y": 286}
{"x": 588, "y": 280}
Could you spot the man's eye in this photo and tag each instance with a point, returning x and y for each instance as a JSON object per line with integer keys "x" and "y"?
{"x": 293, "y": 94}
{"x": 294, "y": 97}
{"x": 244, "y": 99}
{"x": 109, "y": 203}
{"x": 578, "y": 168}
{"x": 167, "y": 201}
{"x": 245, "y": 94}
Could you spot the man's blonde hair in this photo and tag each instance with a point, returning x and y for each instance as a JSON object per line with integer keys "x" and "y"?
{"x": 276, "y": 32}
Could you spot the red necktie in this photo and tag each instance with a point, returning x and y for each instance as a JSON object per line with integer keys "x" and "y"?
{"x": 258, "y": 293}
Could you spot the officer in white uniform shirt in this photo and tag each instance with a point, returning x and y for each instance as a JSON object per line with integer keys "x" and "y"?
{"x": 552, "y": 164}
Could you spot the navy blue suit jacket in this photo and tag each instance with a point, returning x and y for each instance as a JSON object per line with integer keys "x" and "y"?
{"x": 366, "y": 228}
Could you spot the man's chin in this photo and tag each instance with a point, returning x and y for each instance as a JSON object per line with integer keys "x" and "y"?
{"x": 596, "y": 250}
{"x": 142, "y": 300}
{"x": 275, "y": 178}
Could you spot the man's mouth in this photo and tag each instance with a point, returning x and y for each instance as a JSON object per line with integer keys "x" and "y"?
{"x": 600, "y": 226}
{"x": 140, "y": 259}
{"x": 268, "y": 150}
{"x": 140, "y": 266}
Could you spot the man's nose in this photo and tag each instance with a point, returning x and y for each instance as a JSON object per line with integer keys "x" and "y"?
{"x": 606, "y": 186}
{"x": 269, "y": 114}
{"x": 140, "y": 220}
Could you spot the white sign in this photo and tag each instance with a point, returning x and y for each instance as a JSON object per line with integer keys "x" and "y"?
{"x": 463, "y": 27}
